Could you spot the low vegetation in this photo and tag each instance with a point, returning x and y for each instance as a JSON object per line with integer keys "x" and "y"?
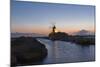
{"x": 26, "y": 51}
{"x": 82, "y": 40}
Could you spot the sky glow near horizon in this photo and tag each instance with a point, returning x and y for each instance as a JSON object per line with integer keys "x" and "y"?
{"x": 36, "y": 17}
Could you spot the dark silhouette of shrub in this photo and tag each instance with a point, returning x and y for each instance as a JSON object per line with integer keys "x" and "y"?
{"x": 27, "y": 50}
{"x": 58, "y": 36}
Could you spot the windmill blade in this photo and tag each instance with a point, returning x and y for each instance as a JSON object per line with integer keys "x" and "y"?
{"x": 53, "y": 23}
{"x": 50, "y": 27}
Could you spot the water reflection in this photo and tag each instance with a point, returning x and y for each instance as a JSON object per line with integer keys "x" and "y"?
{"x": 61, "y": 52}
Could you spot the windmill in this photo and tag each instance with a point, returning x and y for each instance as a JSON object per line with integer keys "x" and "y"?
{"x": 53, "y": 27}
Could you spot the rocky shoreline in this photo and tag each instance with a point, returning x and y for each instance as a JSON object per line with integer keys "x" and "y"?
{"x": 82, "y": 40}
{"x": 27, "y": 51}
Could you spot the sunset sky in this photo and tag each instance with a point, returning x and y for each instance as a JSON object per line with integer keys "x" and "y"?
{"x": 35, "y": 17}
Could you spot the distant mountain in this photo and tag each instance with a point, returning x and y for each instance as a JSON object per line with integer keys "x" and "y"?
{"x": 27, "y": 35}
{"x": 83, "y": 32}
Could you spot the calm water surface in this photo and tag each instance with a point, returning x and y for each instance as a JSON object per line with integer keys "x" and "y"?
{"x": 61, "y": 52}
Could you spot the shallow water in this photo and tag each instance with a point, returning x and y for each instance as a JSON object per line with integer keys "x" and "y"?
{"x": 61, "y": 52}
